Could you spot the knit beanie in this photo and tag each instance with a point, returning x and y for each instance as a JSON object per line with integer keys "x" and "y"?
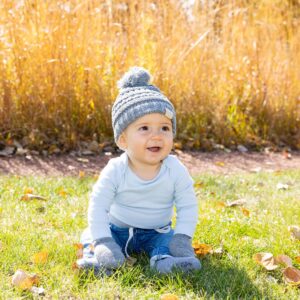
{"x": 138, "y": 98}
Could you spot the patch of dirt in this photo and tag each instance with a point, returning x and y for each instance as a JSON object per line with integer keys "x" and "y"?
{"x": 196, "y": 162}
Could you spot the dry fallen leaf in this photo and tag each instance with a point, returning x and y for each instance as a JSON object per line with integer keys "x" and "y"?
{"x": 220, "y": 163}
{"x": 23, "y": 280}
{"x": 177, "y": 145}
{"x": 295, "y": 232}
{"x": 62, "y": 193}
{"x": 284, "y": 260}
{"x": 291, "y": 276}
{"x": 74, "y": 266}
{"x": 78, "y": 246}
{"x": 201, "y": 249}
{"x": 297, "y": 259}
{"x": 169, "y": 297}
{"x": 28, "y": 197}
{"x": 286, "y": 154}
{"x": 198, "y": 185}
{"x": 266, "y": 260}
{"x": 79, "y": 250}
{"x": 81, "y": 174}
{"x": 245, "y": 212}
{"x": 28, "y": 191}
{"x": 221, "y": 204}
{"x": 236, "y": 203}
{"x": 40, "y": 257}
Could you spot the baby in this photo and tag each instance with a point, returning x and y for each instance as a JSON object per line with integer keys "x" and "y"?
{"x": 131, "y": 205}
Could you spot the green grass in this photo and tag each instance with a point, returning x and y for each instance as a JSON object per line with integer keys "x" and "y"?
{"x": 55, "y": 225}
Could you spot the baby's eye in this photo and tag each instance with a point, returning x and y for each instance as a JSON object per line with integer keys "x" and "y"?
{"x": 166, "y": 128}
{"x": 143, "y": 128}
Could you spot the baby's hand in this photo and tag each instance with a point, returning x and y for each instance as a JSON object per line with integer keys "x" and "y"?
{"x": 181, "y": 246}
{"x": 108, "y": 253}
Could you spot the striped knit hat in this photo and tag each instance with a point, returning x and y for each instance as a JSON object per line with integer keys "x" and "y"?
{"x": 138, "y": 98}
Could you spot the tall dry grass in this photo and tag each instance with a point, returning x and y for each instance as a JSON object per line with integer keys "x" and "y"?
{"x": 231, "y": 67}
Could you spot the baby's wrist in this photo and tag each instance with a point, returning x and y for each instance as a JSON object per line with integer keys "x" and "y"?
{"x": 182, "y": 235}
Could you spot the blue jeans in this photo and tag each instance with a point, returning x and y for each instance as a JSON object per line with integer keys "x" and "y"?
{"x": 154, "y": 242}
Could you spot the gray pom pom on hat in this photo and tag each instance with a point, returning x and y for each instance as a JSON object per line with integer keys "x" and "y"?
{"x": 138, "y": 98}
{"x": 136, "y": 76}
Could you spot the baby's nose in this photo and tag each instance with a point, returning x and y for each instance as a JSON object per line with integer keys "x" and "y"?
{"x": 156, "y": 134}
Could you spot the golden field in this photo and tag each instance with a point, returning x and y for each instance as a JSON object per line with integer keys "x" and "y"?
{"x": 231, "y": 67}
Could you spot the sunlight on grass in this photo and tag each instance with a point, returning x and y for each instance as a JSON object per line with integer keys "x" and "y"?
{"x": 54, "y": 225}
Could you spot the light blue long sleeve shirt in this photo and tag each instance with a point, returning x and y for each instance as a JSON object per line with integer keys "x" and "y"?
{"x": 147, "y": 204}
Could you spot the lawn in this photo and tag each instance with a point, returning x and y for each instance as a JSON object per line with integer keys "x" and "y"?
{"x": 54, "y": 226}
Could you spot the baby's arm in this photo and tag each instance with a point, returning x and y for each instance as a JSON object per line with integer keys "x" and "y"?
{"x": 187, "y": 214}
{"x": 100, "y": 201}
{"x": 107, "y": 251}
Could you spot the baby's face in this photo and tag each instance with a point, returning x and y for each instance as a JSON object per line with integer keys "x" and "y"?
{"x": 148, "y": 140}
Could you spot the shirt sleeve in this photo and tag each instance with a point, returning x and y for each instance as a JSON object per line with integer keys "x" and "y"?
{"x": 186, "y": 202}
{"x": 100, "y": 201}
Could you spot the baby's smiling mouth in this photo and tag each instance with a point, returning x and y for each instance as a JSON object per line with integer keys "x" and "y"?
{"x": 153, "y": 149}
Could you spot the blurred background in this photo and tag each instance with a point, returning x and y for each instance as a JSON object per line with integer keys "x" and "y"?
{"x": 231, "y": 68}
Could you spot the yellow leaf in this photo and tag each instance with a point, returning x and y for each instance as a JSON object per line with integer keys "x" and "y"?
{"x": 177, "y": 145}
{"x": 78, "y": 246}
{"x": 245, "y": 211}
{"x": 92, "y": 105}
{"x": 81, "y": 174}
{"x": 221, "y": 204}
{"x": 28, "y": 191}
{"x": 169, "y": 297}
{"x": 297, "y": 258}
{"x": 196, "y": 245}
{"x": 202, "y": 249}
{"x": 220, "y": 163}
{"x": 23, "y": 280}
{"x": 266, "y": 260}
{"x": 291, "y": 276}
{"x": 62, "y": 193}
{"x": 40, "y": 257}
{"x": 198, "y": 185}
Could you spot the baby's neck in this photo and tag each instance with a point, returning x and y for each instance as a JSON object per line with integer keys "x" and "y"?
{"x": 145, "y": 172}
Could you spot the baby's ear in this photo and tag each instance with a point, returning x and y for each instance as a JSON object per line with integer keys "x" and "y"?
{"x": 121, "y": 142}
